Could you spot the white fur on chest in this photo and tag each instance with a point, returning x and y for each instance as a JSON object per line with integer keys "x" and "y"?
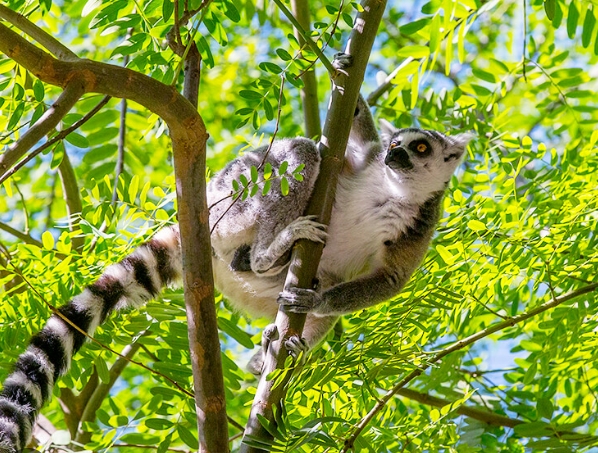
{"x": 371, "y": 208}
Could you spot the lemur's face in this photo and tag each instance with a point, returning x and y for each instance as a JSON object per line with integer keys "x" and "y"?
{"x": 426, "y": 158}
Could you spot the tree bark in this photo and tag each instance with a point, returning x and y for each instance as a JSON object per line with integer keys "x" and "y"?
{"x": 306, "y": 254}
{"x": 202, "y": 326}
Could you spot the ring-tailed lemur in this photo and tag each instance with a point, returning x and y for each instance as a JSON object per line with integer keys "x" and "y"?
{"x": 387, "y": 205}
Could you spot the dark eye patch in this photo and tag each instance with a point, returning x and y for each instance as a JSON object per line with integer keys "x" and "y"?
{"x": 420, "y": 147}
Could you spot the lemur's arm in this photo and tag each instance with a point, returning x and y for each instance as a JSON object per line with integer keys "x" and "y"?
{"x": 401, "y": 259}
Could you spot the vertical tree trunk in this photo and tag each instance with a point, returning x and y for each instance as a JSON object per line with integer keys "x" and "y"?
{"x": 204, "y": 344}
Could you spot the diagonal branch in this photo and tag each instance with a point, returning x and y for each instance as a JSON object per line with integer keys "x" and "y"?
{"x": 485, "y": 416}
{"x": 19, "y": 235}
{"x": 306, "y": 255}
{"x": 510, "y": 322}
{"x": 70, "y": 190}
{"x": 57, "y": 49}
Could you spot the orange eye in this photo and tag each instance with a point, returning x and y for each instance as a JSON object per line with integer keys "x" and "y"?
{"x": 422, "y": 148}
{"x": 393, "y": 145}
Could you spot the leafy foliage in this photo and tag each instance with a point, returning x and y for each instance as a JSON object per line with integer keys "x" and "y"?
{"x": 519, "y": 228}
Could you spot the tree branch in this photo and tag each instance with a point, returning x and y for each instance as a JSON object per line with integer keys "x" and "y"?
{"x": 483, "y": 415}
{"x": 73, "y": 91}
{"x": 22, "y": 236}
{"x": 457, "y": 346}
{"x": 306, "y": 255}
{"x": 55, "y": 47}
{"x": 309, "y": 92}
{"x": 471, "y": 412}
{"x": 163, "y": 100}
{"x": 70, "y": 190}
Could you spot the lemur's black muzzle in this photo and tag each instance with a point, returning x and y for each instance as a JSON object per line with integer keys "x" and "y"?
{"x": 398, "y": 158}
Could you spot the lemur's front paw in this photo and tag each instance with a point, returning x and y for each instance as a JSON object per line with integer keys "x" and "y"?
{"x": 342, "y": 61}
{"x": 299, "y": 300}
{"x": 296, "y": 345}
{"x": 306, "y": 227}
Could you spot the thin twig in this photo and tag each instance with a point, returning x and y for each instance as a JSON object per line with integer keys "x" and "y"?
{"x": 310, "y": 42}
{"x": 272, "y": 138}
{"x": 61, "y": 135}
{"x": 349, "y": 442}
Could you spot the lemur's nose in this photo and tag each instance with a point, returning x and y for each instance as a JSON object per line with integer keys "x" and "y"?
{"x": 398, "y": 157}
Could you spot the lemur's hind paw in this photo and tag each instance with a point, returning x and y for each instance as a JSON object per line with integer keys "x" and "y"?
{"x": 256, "y": 363}
{"x": 306, "y": 227}
{"x": 296, "y": 346}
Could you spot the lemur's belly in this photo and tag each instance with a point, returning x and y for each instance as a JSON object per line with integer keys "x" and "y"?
{"x": 248, "y": 293}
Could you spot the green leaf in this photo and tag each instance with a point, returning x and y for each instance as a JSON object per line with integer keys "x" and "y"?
{"x": 232, "y": 12}
{"x": 102, "y": 369}
{"x": 476, "y": 225}
{"x": 267, "y": 187}
{"x": 572, "y": 19}
{"x": 549, "y": 7}
{"x": 545, "y": 407}
{"x": 267, "y": 170}
{"x": 77, "y": 140}
{"x": 158, "y": 423}
{"x": 284, "y": 186}
{"x": 284, "y": 55}
{"x": 270, "y": 67}
{"x": 588, "y": 27}
{"x": 449, "y": 52}
{"x": 414, "y": 51}
{"x": 234, "y": 332}
{"x": 413, "y": 27}
{"x": 188, "y": 437}
{"x": 47, "y": 240}
{"x": 38, "y": 90}
{"x": 16, "y": 116}
{"x": 133, "y": 188}
{"x": 57, "y": 155}
{"x": 250, "y": 94}
{"x": 268, "y": 110}
{"x": 140, "y": 439}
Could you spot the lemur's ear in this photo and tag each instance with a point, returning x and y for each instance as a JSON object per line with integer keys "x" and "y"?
{"x": 462, "y": 139}
{"x": 458, "y": 144}
{"x": 387, "y": 130}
